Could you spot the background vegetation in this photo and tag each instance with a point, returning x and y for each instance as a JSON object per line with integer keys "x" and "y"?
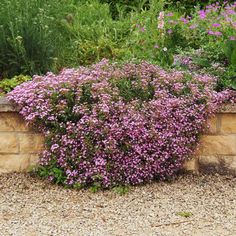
{"x": 47, "y": 35}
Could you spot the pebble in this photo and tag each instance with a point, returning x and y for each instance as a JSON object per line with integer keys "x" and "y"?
{"x": 33, "y": 207}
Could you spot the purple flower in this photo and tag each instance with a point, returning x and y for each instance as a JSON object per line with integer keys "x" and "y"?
{"x": 169, "y": 14}
{"x": 216, "y": 25}
{"x": 211, "y": 32}
{"x": 202, "y": 14}
{"x": 184, "y": 20}
{"x": 218, "y": 33}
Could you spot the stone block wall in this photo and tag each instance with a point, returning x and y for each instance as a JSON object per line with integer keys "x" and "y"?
{"x": 19, "y": 144}
{"x": 217, "y": 150}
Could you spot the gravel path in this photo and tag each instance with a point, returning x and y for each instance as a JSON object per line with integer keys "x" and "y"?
{"x": 31, "y": 207}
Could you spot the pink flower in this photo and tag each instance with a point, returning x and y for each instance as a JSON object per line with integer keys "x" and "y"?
{"x": 194, "y": 26}
{"x": 202, "y": 14}
{"x": 169, "y": 14}
{"x": 233, "y": 38}
{"x": 218, "y": 33}
{"x": 184, "y": 20}
{"x": 161, "y": 15}
{"x": 216, "y": 25}
{"x": 210, "y": 32}
{"x": 161, "y": 22}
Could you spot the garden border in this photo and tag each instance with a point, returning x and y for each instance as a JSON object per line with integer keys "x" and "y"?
{"x": 20, "y": 144}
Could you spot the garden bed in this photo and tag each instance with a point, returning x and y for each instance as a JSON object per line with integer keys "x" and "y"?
{"x": 20, "y": 144}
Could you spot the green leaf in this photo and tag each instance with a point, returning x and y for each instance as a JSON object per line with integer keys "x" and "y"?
{"x": 233, "y": 57}
{"x": 184, "y": 214}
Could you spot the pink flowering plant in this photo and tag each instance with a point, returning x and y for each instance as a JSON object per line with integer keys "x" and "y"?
{"x": 208, "y": 41}
{"x": 211, "y": 28}
{"x": 110, "y": 124}
{"x": 149, "y": 38}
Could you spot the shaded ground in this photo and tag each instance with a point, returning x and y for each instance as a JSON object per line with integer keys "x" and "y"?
{"x": 29, "y": 206}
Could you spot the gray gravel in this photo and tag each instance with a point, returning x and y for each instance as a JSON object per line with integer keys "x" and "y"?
{"x": 32, "y": 207}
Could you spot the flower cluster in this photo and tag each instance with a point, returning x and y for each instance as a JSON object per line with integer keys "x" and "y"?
{"x": 115, "y": 124}
{"x": 214, "y": 20}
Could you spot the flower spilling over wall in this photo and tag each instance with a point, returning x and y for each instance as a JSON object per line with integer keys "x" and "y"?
{"x": 115, "y": 124}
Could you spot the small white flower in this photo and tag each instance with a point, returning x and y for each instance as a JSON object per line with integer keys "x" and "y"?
{"x": 165, "y": 49}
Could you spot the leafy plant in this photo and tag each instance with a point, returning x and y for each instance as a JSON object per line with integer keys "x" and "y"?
{"x": 31, "y": 39}
{"x": 6, "y": 85}
{"x": 230, "y": 51}
{"x": 121, "y": 190}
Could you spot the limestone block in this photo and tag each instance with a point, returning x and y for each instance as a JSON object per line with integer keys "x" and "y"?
{"x": 8, "y": 143}
{"x": 212, "y": 123}
{"x": 191, "y": 165}
{"x": 229, "y": 163}
{"x": 210, "y": 164}
{"x": 209, "y": 160}
{"x": 218, "y": 145}
{"x": 11, "y": 121}
{"x": 6, "y": 106}
{"x": 218, "y": 164}
{"x": 228, "y": 123}
{"x": 31, "y": 143}
{"x": 14, "y": 162}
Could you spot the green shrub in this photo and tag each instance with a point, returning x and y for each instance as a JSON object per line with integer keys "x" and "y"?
{"x": 6, "y": 85}
{"x": 47, "y": 35}
{"x": 95, "y": 35}
{"x": 230, "y": 51}
{"x": 31, "y": 38}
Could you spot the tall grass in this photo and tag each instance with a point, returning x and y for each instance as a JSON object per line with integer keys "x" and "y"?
{"x": 41, "y": 35}
{"x": 30, "y": 39}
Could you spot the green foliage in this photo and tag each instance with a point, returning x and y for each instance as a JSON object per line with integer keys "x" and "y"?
{"x": 95, "y": 187}
{"x": 184, "y": 214}
{"x": 57, "y": 173}
{"x": 121, "y": 190}
{"x": 31, "y": 36}
{"x": 129, "y": 92}
{"x": 119, "y": 7}
{"x": 233, "y": 84}
{"x": 6, "y": 85}
{"x": 230, "y": 51}
{"x": 48, "y": 35}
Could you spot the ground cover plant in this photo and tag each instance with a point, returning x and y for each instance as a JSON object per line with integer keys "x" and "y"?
{"x": 112, "y": 124}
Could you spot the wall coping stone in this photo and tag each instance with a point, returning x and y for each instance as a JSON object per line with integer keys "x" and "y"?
{"x": 6, "y": 106}
{"x": 229, "y": 108}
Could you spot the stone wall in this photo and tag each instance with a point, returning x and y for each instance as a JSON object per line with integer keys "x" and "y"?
{"x": 217, "y": 150}
{"x": 20, "y": 144}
